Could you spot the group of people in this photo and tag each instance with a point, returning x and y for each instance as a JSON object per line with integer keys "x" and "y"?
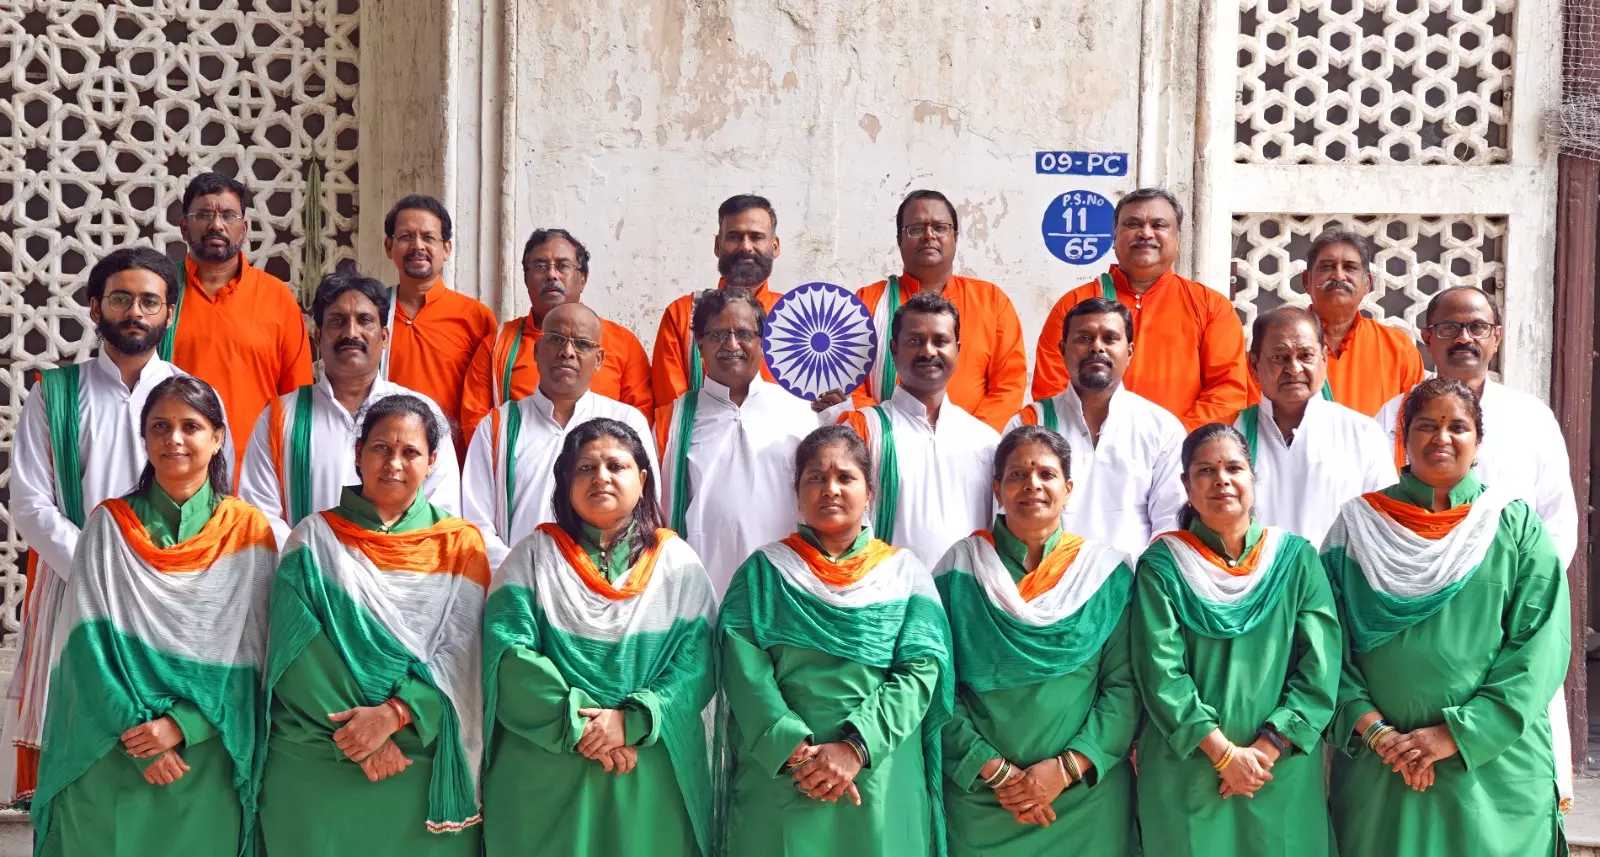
{"x": 520, "y": 589}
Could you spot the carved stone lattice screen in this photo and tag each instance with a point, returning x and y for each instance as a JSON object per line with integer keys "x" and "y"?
{"x": 107, "y": 109}
{"x": 1417, "y": 82}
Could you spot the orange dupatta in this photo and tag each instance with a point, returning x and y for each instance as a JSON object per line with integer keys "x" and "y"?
{"x": 234, "y": 527}
{"x": 1051, "y": 567}
{"x": 841, "y": 572}
{"x": 460, "y": 551}
{"x": 1243, "y": 569}
{"x": 1426, "y": 523}
{"x": 638, "y": 576}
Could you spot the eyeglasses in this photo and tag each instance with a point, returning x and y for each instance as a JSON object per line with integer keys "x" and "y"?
{"x": 584, "y": 347}
{"x": 1452, "y": 330}
{"x": 228, "y": 218}
{"x": 560, "y": 266}
{"x": 148, "y": 304}
{"x": 743, "y": 335}
{"x": 938, "y": 228}
{"x": 414, "y": 238}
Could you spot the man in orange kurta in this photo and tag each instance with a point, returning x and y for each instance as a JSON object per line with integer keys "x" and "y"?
{"x": 991, "y": 378}
{"x": 746, "y": 245}
{"x": 435, "y": 330}
{"x": 1190, "y": 358}
{"x": 555, "y": 268}
{"x": 236, "y": 327}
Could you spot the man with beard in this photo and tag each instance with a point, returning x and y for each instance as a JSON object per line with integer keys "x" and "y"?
{"x": 731, "y": 441}
{"x": 236, "y": 327}
{"x": 302, "y": 450}
{"x": 78, "y": 443}
{"x": 931, "y": 459}
{"x": 1522, "y": 449}
{"x": 745, "y": 245}
{"x": 1310, "y": 455}
{"x": 992, "y": 379}
{"x": 1125, "y": 448}
{"x": 555, "y": 268}
{"x": 1192, "y": 359}
{"x": 507, "y": 486}
{"x": 434, "y": 330}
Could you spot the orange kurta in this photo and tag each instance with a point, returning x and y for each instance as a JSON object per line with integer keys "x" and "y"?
{"x": 248, "y": 341}
{"x": 1188, "y": 348}
{"x": 624, "y": 376}
{"x": 991, "y": 377}
{"x": 431, "y": 353}
{"x": 669, "y": 363}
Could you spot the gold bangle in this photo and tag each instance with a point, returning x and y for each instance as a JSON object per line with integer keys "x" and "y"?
{"x": 1072, "y": 765}
{"x": 1227, "y": 759}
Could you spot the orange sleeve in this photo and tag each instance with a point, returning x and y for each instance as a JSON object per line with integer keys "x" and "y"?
{"x": 636, "y": 389}
{"x": 662, "y": 423}
{"x": 1223, "y": 383}
{"x": 1410, "y": 369}
{"x": 1049, "y": 371}
{"x": 861, "y": 396}
{"x": 477, "y": 390}
{"x": 294, "y": 349}
{"x": 858, "y": 421}
{"x": 669, "y": 378}
{"x": 1008, "y": 366}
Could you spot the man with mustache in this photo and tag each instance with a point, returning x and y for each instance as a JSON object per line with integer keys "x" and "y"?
{"x": 235, "y": 326}
{"x": 1522, "y": 449}
{"x": 746, "y": 245}
{"x": 507, "y": 480}
{"x": 78, "y": 443}
{"x": 555, "y": 268}
{"x": 732, "y": 440}
{"x": 434, "y": 330}
{"x": 1192, "y": 358}
{"x": 1125, "y": 448}
{"x": 301, "y": 454}
{"x": 993, "y": 376}
{"x": 1310, "y": 454}
{"x": 931, "y": 459}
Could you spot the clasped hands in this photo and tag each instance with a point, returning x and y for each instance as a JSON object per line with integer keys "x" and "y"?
{"x": 604, "y": 740}
{"x": 157, "y": 738}
{"x": 366, "y": 739}
{"x": 1248, "y": 770}
{"x": 825, "y": 772}
{"x": 1412, "y": 754}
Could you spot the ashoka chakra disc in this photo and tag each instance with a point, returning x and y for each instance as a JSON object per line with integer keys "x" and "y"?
{"x": 819, "y": 337}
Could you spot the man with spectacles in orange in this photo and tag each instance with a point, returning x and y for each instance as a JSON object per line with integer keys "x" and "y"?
{"x": 507, "y": 480}
{"x": 434, "y": 329}
{"x": 992, "y": 376}
{"x": 235, "y": 326}
{"x": 555, "y": 268}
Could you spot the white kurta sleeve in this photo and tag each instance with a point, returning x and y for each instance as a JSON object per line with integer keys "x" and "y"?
{"x": 33, "y": 491}
{"x": 1377, "y": 459}
{"x": 258, "y": 479}
{"x": 1556, "y": 504}
{"x": 635, "y": 421}
{"x": 1167, "y": 496}
{"x": 478, "y": 494}
{"x": 443, "y": 488}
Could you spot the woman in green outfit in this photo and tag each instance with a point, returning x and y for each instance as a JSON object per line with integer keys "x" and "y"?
{"x": 1046, "y": 706}
{"x": 1454, "y": 603}
{"x": 150, "y": 738}
{"x": 1236, "y": 651}
{"x": 372, "y": 680}
{"x": 836, "y": 672}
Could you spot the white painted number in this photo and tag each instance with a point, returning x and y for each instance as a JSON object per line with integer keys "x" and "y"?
{"x": 1078, "y": 247}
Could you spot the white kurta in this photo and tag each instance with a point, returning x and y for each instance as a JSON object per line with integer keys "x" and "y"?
{"x": 946, "y": 484}
{"x": 741, "y": 471}
{"x": 333, "y": 457}
{"x": 1337, "y": 454}
{"x": 1523, "y": 452}
{"x": 1126, "y": 488}
{"x": 483, "y": 498}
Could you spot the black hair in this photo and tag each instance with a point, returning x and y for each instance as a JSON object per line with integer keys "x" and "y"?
{"x": 710, "y": 303}
{"x": 1191, "y": 445}
{"x": 927, "y": 303}
{"x": 1438, "y": 387}
{"x": 374, "y": 413}
{"x": 130, "y": 259}
{"x": 1341, "y": 235}
{"x": 337, "y": 283}
{"x": 1143, "y": 194}
{"x": 207, "y": 184}
{"x": 1438, "y": 297}
{"x": 1032, "y": 434}
{"x": 196, "y": 394}
{"x": 419, "y": 202}
{"x": 647, "y": 517}
{"x": 1099, "y": 306}
{"x": 541, "y": 237}
{"x": 1284, "y": 315}
{"x": 900, "y": 213}
{"x": 742, "y": 203}
{"x": 835, "y": 435}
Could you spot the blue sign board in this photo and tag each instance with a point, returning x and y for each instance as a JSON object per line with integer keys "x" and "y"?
{"x": 1077, "y": 226}
{"x": 1081, "y": 163}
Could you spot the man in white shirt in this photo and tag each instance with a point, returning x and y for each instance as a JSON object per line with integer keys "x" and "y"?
{"x": 302, "y": 449}
{"x": 78, "y": 443}
{"x": 931, "y": 459}
{"x": 727, "y": 449}
{"x": 1125, "y": 448}
{"x": 1310, "y": 453}
{"x": 1522, "y": 450}
{"x": 532, "y": 430}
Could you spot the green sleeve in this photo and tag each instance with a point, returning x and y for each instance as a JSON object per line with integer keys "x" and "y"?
{"x": 537, "y": 704}
{"x": 426, "y": 704}
{"x": 1354, "y": 701}
{"x": 317, "y": 680}
{"x": 687, "y": 683}
{"x": 1169, "y": 692}
{"x": 1311, "y": 691}
{"x": 770, "y": 728}
{"x": 1532, "y": 662}
{"x": 194, "y": 725}
{"x": 1108, "y": 731}
{"x": 894, "y": 712}
{"x": 965, "y": 751}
